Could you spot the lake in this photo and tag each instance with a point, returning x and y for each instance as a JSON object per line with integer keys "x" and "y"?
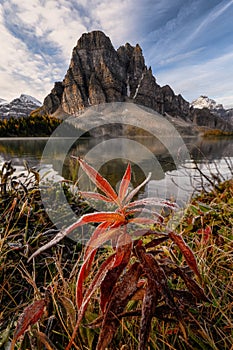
{"x": 110, "y": 156}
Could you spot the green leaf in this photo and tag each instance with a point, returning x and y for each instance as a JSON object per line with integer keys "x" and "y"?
{"x": 195, "y": 210}
{"x": 204, "y": 208}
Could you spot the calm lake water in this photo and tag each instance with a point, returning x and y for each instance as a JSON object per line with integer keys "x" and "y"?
{"x": 146, "y": 154}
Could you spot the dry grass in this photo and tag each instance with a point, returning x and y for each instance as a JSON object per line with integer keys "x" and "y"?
{"x": 206, "y": 226}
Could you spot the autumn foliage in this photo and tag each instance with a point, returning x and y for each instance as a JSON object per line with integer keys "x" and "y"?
{"x": 134, "y": 269}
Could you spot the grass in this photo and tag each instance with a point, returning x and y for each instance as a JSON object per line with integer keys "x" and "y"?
{"x": 206, "y": 227}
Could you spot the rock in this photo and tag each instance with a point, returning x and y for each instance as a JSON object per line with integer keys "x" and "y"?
{"x": 98, "y": 73}
{"x": 215, "y": 108}
{"x": 203, "y": 117}
{"x": 19, "y": 107}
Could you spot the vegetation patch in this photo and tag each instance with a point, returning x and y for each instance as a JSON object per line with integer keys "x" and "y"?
{"x": 137, "y": 291}
{"x": 34, "y": 125}
{"x": 217, "y": 133}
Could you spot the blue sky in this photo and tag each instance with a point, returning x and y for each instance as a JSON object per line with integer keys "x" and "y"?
{"x": 188, "y": 43}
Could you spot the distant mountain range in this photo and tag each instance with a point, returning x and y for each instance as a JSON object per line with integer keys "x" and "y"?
{"x": 215, "y": 108}
{"x": 98, "y": 74}
{"x": 19, "y": 107}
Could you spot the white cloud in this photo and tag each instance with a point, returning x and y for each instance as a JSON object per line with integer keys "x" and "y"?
{"x": 37, "y": 38}
{"x": 31, "y": 28}
{"x": 212, "y": 78}
{"x": 23, "y": 70}
{"x": 116, "y": 19}
{"x": 207, "y": 20}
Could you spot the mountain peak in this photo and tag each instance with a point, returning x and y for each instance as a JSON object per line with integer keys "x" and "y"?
{"x": 94, "y": 40}
{"x": 30, "y": 99}
{"x": 206, "y": 102}
{"x": 98, "y": 74}
{"x": 19, "y": 107}
{"x": 2, "y": 101}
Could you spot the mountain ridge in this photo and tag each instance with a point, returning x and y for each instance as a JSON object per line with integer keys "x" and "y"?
{"x": 19, "y": 107}
{"x": 206, "y": 102}
{"x": 100, "y": 74}
{"x": 215, "y": 108}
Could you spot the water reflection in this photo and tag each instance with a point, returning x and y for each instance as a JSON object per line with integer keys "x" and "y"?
{"x": 96, "y": 150}
{"x": 210, "y": 149}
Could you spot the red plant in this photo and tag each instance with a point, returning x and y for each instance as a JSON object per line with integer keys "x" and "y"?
{"x": 120, "y": 277}
{"x": 31, "y": 314}
{"x": 206, "y": 233}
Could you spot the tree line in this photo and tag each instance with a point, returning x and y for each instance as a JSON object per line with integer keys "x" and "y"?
{"x": 33, "y": 125}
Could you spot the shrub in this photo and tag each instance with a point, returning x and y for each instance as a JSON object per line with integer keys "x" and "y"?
{"x": 134, "y": 269}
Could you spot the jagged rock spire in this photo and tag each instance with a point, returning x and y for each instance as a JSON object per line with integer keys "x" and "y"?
{"x": 98, "y": 73}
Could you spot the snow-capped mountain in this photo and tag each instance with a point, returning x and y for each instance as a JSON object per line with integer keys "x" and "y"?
{"x": 19, "y": 107}
{"x": 2, "y": 101}
{"x": 214, "y": 107}
{"x": 29, "y": 99}
{"x": 206, "y": 102}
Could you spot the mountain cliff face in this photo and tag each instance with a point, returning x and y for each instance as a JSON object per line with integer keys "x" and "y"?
{"x": 98, "y": 73}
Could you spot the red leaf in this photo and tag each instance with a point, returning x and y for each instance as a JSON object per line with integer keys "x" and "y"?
{"x": 122, "y": 293}
{"x": 85, "y": 219}
{"x": 152, "y": 202}
{"x": 122, "y": 257}
{"x": 206, "y": 233}
{"x": 123, "y": 249}
{"x": 159, "y": 217}
{"x": 104, "y": 268}
{"x": 144, "y": 232}
{"x": 186, "y": 251}
{"x": 155, "y": 242}
{"x": 135, "y": 190}
{"x": 124, "y": 185}
{"x": 103, "y": 237}
{"x": 192, "y": 286}
{"x": 82, "y": 276}
{"x": 98, "y": 180}
{"x": 155, "y": 273}
{"x": 148, "y": 309}
{"x": 31, "y": 315}
{"x": 101, "y": 228}
{"x": 95, "y": 195}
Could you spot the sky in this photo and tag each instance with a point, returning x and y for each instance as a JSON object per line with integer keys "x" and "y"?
{"x": 187, "y": 43}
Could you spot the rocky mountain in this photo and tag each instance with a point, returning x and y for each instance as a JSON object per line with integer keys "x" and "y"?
{"x": 229, "y": 114}
{"x": 98, "y": 73}
{"x": 2, "y": 101}
{"x": 19, "y": 107}
{"x": 204, "y": 102}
